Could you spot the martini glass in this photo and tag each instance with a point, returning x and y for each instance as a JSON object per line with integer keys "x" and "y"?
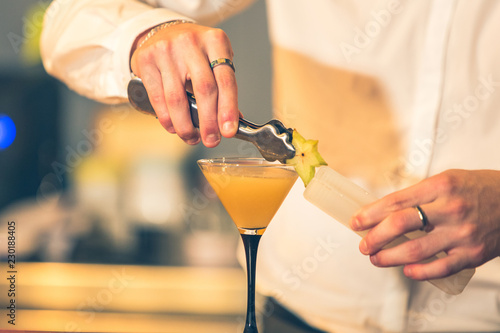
{"x": 251, "y": 190}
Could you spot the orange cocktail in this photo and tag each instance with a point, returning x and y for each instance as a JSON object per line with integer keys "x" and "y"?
{"x": 251, "y": 190}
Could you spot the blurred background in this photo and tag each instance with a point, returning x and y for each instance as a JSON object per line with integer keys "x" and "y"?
{"x": 96, "y": 189}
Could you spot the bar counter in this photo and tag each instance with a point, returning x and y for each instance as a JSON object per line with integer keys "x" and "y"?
{"x": 62, "y": 297}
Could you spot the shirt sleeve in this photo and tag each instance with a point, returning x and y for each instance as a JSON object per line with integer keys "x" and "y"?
{"x": 86, "y": 43}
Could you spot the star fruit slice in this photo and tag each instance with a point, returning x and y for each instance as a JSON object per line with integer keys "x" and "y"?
{"x": 306, "y": 158}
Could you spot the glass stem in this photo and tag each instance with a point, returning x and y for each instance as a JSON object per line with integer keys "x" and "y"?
{"x": 251, "y": 243}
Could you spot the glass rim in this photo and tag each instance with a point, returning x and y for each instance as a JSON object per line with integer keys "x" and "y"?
{"x": 243, "y": 161}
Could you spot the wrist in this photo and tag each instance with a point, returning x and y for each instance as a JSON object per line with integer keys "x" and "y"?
{"x": 160, "y": 27}
{"x": 147, "y": 34}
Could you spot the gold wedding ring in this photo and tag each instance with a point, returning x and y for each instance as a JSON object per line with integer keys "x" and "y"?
{"x": 222, "y": 61}
{"x": 423, "y": 218}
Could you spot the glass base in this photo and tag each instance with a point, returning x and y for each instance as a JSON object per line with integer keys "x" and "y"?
{"x": 252, "y": 231}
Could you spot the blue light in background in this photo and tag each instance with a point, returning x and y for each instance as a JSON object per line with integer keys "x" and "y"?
{"x": 7, "y": 131}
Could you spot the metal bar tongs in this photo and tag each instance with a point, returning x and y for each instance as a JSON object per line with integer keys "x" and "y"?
{"x": 272, "y": 139}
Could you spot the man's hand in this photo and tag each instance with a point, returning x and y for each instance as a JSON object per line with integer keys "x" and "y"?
{"x": 463, "y": 209}
{"x": 176, "y": 59}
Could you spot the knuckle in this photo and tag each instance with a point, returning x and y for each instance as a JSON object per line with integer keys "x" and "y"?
{"x": 477, "y": 254}
{"x": 398, "y": 222}
{"x": 395, "y": 202}
{"x": 210, "y": 122}
{"x": 414, "y": 251}
{"x": 218, "y": 35}
{"x": 187, "y": 37}
{"x": 447, "y": 182}
{"x": 162, "y": 47}
{"x": 468, "y": 231}
{"x": 143, "y": 55}
{"x": 206, "y": 87}
{"x": 149, "y": 80}
{"x": 174, "y": 100}
{"x": 446, "y": 269}
{"x": 156, "y": 98}
{"x": 208, "y": 125}
{"x": 458, "y": 208}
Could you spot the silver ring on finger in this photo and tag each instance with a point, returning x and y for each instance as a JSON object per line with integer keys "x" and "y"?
{"x": 423, "y": 218}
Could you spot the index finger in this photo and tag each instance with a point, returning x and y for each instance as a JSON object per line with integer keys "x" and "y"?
{"x": 371, "y": 214}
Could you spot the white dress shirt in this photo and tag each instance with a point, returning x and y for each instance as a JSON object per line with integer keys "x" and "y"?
{"x": 395, "y": 91}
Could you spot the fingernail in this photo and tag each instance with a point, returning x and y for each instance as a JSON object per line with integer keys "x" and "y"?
{"x": 193, "y": 141}
{"x": 374, "y": 260}
{"x": 212, "y": 139}
{"x": 171, "y": 130}
{"x": 363, "y": 247}
{"x": 355, "y": 225}
{"x": 229, "y": 127}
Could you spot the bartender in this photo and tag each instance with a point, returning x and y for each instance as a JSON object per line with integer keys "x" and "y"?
{"x": 404, "y": 99}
